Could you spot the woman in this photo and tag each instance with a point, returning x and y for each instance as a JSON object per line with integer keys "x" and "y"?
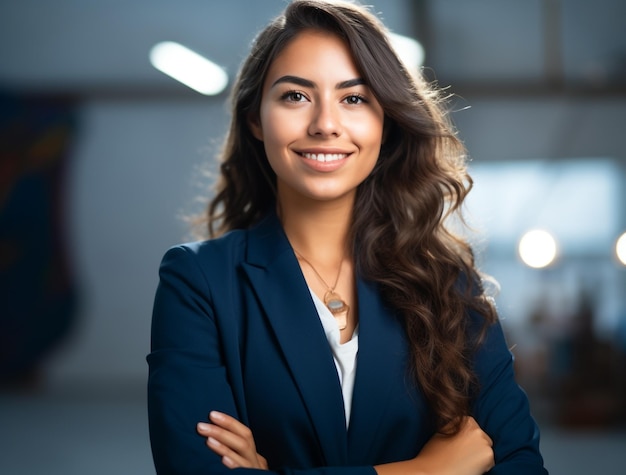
{"x": 328, "y": 242}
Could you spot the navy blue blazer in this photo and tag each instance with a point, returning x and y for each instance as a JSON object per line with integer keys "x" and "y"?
{"x": 235, "y": 330}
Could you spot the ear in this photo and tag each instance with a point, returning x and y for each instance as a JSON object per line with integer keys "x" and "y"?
{"x": 255, "y": 127}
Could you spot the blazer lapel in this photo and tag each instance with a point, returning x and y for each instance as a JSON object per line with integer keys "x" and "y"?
{"x": 274, "y": 273}
{"x": 381, "y": 364}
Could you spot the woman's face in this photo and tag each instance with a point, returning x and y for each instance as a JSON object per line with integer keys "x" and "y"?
{"x": 321, "y": 126}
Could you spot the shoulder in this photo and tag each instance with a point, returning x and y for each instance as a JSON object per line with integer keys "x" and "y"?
{"x": 233, "y": 246}
{"x": 228, "y": 245}
{"x": 218, "y": 260}
{"x": 203, "y": 263}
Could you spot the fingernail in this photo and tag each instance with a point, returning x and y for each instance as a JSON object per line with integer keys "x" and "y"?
{"x": 213, "y": 442}
{"x": 216, "y": 416}
{"x": 228, "y": 461}
{"x": 202, "y": 426}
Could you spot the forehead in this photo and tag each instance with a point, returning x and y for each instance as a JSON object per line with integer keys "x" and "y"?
{"x": 314, "y": 53}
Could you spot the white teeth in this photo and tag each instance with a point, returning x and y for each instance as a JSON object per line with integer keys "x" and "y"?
{"x": 325, "y": 157}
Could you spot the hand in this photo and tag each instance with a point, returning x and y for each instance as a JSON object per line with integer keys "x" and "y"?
{"x": 231, "y": 440}
{"x": 469, "y": 452}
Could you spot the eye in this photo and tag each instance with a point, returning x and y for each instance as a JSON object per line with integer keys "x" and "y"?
{"x": 355, "y": 99}
{"x": 293, "y": 96}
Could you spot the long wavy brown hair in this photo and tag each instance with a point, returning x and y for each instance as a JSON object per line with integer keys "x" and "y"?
{"x": 399, "y": 238}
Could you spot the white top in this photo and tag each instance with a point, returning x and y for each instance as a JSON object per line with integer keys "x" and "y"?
{"x": 343, "y": 354}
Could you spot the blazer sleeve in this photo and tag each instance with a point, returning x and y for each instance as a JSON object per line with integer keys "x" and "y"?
{"x": 188, "y": 376}
{"x": 502, "y": 410}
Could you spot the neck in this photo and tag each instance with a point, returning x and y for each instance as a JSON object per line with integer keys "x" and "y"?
{"x": 318, "y": 230}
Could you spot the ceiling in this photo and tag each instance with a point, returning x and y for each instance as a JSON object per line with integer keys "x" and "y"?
{"x": 92, "y": 47}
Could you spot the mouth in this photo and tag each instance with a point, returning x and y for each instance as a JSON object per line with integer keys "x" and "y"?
{"x": 324, "y": 157}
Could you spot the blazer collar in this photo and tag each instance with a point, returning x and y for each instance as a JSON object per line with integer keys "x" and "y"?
{"x": 267, "y": 242}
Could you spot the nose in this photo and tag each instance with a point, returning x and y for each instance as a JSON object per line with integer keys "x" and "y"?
{"x": 326, "y": 120}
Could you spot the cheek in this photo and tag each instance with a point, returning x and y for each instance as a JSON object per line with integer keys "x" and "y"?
{"x": 278, "y": 129}
{"x": 276, "y": 137}
{"x": 368, "y": 130}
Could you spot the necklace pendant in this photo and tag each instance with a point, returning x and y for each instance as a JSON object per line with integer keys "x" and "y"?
{"x": 338, "y": 308}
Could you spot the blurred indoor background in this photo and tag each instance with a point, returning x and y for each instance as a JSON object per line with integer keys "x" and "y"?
{"x": 102, "y": 156}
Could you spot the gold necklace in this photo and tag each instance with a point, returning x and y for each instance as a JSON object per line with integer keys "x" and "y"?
{"x": 333, "y": 301}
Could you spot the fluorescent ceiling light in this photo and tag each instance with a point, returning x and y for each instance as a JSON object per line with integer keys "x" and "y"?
{"x": 188, "y": 67}
{"x": 410, "y": 51}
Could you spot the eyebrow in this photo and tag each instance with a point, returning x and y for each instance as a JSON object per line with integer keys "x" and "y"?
{"x": 310, "y": 84}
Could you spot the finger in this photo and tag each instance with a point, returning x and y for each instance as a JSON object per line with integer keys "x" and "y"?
{"x": 239, "y": 436}
{"x": 229, "y": 438}
{"x": 230, "y": 458}
{"x": 203, "y": 428}
{"x": 470, "y": 423}
{"x": 230, "y": 423}
{"x": 240, "y": 452}
{"x": 262, "y": 462}
{"x": 225, "y": 437}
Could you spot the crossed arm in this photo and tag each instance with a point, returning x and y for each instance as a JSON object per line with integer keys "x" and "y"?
{"x": 186, "y": 349}
{"x": 468, "y": 452}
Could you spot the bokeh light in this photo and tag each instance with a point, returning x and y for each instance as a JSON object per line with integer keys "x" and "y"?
{"x": 537, "y": 248}
{"x": 620, "y": 249}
